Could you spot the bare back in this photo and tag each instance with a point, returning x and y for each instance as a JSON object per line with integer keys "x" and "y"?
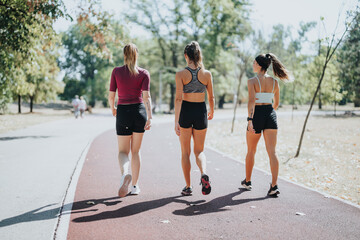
{"x": 268, "y": 85}
{"x": 204, "y": 78}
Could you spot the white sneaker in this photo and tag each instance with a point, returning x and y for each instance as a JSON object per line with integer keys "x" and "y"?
{"x": 124, "y": 185}
{"x": 135, "y": 190}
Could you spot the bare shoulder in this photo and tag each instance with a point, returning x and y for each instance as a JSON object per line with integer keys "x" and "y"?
{"x": 206, "y": 74}
{"x": 251, "y": 80}
{"x": 181, "y": 73}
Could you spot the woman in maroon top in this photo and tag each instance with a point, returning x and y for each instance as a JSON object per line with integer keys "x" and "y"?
{"x": 133, "y": 115}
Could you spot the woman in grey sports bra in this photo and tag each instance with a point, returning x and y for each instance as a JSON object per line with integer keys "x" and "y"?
{"x": 263, "y": 90}
{"x": 191, "y": 116}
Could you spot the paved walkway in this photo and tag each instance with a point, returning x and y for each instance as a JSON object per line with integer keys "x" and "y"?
{"x": 160, "y": 212}
{"x": 37, "y": 170}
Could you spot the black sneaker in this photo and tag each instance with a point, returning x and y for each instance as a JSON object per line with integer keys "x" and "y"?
{"x": 246, "y": 185}
{"x": 187, "y": 191}
{"x": 273, "y": 191}
{"x": 206, "y": 188}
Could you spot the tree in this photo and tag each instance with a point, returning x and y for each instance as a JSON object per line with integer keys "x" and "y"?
{"x": 332, "y": 45}
{"x": 18, "y": 19}
{"x": 212, "y": 23}
{"x": 349, "y": 59}
{"x": 92, "y": 45}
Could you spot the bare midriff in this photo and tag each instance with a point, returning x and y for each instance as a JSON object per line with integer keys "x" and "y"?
{"x": 194, "y": 97}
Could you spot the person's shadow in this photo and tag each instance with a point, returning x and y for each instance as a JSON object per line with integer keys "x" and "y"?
{"x": 38, "y": 214}
{"x": 192, "y": 208}
{"x": 216, "y": 205}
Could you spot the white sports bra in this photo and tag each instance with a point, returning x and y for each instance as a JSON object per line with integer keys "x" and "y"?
{"x": 262, "y": 97}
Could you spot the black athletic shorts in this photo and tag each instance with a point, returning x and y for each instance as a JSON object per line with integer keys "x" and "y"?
{"x": 130, "y": 118}
{"x": 193, "y": 114}
{"x": 264, "y": 118}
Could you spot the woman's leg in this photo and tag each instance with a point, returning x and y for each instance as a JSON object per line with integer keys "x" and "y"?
{"x": 135, "y": 156}
{"x": 252, "y": 141}
{"x": 185, "y": 140}
{"x": 199, "y": 142}
{"x": 124, "y": 149}
{"x": 270, "y": 137}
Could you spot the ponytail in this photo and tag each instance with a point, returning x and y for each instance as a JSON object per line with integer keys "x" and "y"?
{"x": 278, "y": 68}
{"x": 193, "y": 51}
{"x": 264, "y": 61}
{"x": 130, "y": 58}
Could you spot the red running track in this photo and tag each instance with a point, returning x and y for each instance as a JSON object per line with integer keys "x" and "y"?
{"x": 160, "y": 212}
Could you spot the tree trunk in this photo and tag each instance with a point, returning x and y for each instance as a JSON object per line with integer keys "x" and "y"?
{"x": 320, "y": 104}
{"x": 31, "y": 103}
{"x": 172, "y": 96}
{"x": 308, "y": 114}
{"x": 236, "y": 99}
{"x": 357, "y": 102}
{"x": 19, "y": 104}
{"x": 222, "y": 101}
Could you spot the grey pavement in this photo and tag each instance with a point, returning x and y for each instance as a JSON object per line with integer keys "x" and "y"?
{"x": 36, "y": 164}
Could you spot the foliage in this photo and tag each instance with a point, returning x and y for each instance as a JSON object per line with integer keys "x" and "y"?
{"x": 22, "y": 22}
{"x": 349, "y": 59}
{"x": 92, "y": 47}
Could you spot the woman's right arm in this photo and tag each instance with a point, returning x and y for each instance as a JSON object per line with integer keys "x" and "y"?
{"x": 178, "y": 101}
{"x": 211, "y": 98}
{"x": 251, "y": 105}
{"x": 276, "y": 96}
{"x": 112, "y": 92}
{"x": 112, "y": 102}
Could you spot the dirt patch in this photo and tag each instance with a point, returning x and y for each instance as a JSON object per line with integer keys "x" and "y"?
{"x": 329, "y": 160}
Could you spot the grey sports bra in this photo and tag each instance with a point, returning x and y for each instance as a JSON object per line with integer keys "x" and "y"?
{"x": 194, "y": 86}
{"x": 263, "y": 97}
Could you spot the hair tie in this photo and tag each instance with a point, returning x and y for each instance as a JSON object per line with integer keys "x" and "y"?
{"x": 268, "y": 56}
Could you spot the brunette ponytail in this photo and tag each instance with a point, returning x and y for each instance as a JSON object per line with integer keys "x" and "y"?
{"x": 193, "y": 51}
{"x": 278, "y": 68}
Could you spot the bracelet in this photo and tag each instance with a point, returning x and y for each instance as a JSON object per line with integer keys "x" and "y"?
{"x": 248, "y": 119}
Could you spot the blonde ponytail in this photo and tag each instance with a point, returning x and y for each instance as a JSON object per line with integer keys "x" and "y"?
{"x": 130, "y": 58}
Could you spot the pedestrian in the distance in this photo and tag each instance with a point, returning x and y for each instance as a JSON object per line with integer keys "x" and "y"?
{"x": 191, "y": 117}
{"x": 133, "y": 115}
{"x": 263, "y": 89}
{"x": 76, "y": 104}
{"x": 82, "y": 106}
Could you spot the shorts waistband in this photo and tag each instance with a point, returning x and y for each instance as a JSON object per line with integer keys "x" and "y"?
{"x": 194, "y": 103}
{"x": 132, "y": 105}
{"x": 264, "y": 106}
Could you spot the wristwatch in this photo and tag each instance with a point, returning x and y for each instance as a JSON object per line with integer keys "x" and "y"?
{"x": 248, "y": 119}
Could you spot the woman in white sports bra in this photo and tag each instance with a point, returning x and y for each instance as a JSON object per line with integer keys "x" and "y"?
{"x": 263, "y": 89}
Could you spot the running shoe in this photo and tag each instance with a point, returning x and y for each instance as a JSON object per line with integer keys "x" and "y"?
{"x": 246, "y": 185}
{"x": 206, "y": 188}
{"x": 273, "y": 191}
{"x": 124, "y": 185}
{"x": 135, "y": 190}
{"x": 187, "y": 191}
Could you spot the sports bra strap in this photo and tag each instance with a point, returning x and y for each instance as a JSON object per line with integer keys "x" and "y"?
{"x": 259, "y": 82}
{"x": 273, "y": 85}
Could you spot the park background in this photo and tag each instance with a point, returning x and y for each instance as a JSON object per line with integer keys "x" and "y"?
{"x": 52, "y": 50}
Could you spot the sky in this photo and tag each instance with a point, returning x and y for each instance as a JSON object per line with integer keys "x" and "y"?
{"x": 264, "y": 15}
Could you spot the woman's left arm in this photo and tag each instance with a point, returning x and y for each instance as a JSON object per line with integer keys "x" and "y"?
{"x": 276, "y": 95}
{"x": 147, "y": 102}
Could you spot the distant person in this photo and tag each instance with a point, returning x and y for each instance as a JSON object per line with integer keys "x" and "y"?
{"x": 263, "y": 89}
{"x": 133, "y": 115}
{"x": 191, "y": 117}
{"x": 76, "y": 104}
{"x": 82, "y": 106}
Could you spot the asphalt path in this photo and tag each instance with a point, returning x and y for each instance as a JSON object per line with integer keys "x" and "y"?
{"x": 59, "y": 180}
